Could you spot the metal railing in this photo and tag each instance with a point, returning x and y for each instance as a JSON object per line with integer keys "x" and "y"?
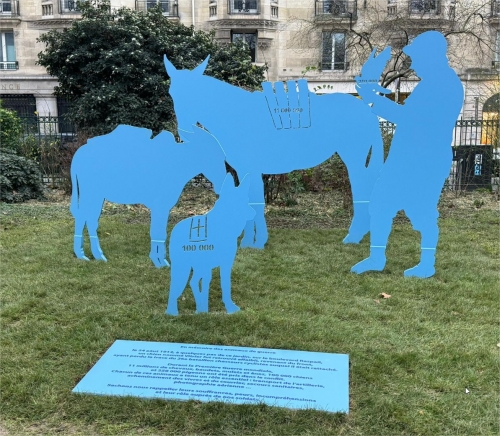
{"x": 9, "y": 65}
{"x": 475, "y": 145}
{"x": 243, "y": 6}
{"x": 43, "y": 127}
{"x": 46, "y": 140}
{"x": 168, "y": 7}
{"x": 419, "y": 7}
{"x": 476, "y": 154}
{"x": 9, "y": 8}
{"x": 336, "y": 8}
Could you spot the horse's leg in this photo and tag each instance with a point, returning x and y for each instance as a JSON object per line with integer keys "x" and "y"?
{"x": 225, "y": 283}
{"x": 424, "y": 220}
{"x": 78, "y": 236}
{"x": 179, "y": 274}
{"x": 380, "y": 229}
{"x": 201, "y": 293}
{"x": 362, "y": 179}
{"x": 360, "y": 224}
{"x": 93, "y": 212}
{"x": 158, "y": 233}
{"x": 255, "y": 232}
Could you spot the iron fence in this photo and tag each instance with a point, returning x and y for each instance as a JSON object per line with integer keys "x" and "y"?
{"x": 476, "y": 154}
{"x": 475, "y": 145}
{"x": 47, "y": 140}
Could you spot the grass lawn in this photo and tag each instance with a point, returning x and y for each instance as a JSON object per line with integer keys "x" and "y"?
{"x": 412, "y": 355}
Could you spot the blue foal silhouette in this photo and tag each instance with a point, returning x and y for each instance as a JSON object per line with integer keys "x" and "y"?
{"x": 204, "y": 242}
{"x": 126, "y": 166}
{"x": 277, "y": 132}
{"x": 420, "y": 155}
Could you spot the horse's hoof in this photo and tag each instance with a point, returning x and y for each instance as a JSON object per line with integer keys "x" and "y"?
{"x": 101, "y": 257}
{"x": 369, "y": 264}
{"x": 232, "y": 308}
{"x": 246, "y": 244}
{"x": 160, "y": 263}
{"x": 172, "y": 312}
{"x": 352, "y": 238}
{"x": 82, "y": 257}
{"x": 420, "y": 271}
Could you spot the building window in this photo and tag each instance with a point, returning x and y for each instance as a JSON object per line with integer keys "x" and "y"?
{"x": 243, "y": 6}
{"x": 333, "y": 51}
{"x": 69, "y": 6}
{"x": 167, "y": 6}
{"x": 424, "y": 6}
{"x": 249, "y": 38}
{"x": 8, "y": 51}
{"x": 5, "y": 7}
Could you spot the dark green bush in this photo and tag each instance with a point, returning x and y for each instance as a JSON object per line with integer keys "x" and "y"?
{"x": 20, "y": 178}
{"x": 10, "y": 129}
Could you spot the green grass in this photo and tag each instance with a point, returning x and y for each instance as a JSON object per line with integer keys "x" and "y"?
{"x": 412, "y": 355}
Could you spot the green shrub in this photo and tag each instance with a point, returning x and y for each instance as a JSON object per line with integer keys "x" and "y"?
{"x": 10, "y": 129}
{"x": 20, "y": 178}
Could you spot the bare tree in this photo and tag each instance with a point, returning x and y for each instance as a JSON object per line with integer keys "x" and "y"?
{"x": 465, "y": 24}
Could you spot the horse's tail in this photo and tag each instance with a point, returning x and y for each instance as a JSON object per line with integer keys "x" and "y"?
{"x": 74, "y": 188}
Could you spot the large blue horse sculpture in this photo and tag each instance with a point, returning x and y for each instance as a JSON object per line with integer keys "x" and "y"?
{"x": 253, "y": 145}
{"x": 126, "y": 166}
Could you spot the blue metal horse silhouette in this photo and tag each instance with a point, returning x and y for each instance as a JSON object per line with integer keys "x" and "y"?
{"x": 254, "y": 144}
{"x": 126, "y": 166}
{"x": 204, "y": 242}
{"x": 420, "y": 155}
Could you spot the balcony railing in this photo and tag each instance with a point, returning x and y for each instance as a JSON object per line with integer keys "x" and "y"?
{"x": 425, "y": 7}
{"x": 243, "y": 6}
{"x": 336, "y": 8}
{"x": 9, "y": 65}
{"x": 168, "y": 7}
{"x": 68, "y": 7}
{"x": 9, "y": 8}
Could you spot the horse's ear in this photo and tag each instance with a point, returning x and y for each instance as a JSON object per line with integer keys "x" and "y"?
{"x": 171, "y": 70}
{"x": 200, "y": 69}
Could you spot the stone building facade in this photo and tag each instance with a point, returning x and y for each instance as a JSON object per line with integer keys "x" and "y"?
{"x": 295, "y": 38}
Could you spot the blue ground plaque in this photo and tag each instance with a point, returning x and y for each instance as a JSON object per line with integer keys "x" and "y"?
{"x": 284, "y": 378}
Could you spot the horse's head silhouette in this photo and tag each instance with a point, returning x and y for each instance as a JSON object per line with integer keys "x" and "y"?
{"x": 185, "y": 89}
